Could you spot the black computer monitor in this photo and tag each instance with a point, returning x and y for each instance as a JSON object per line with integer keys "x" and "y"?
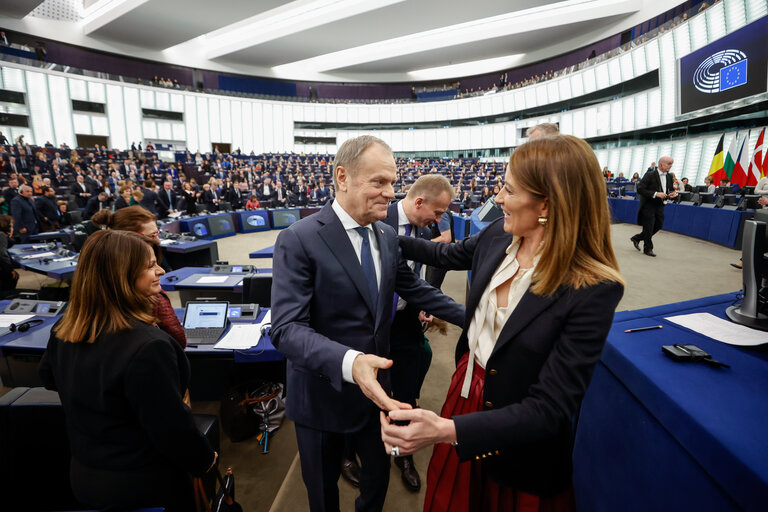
{"x": 747, "y": 191}
{"x": 753, "y": 311}
{"x": 283, "y": 218}
{"x": 749, "y": 202}
{"x": 721, "y": 191}
{"x": 701, "y": 188}
{"x": 221, "y": 225}
{"x": 684, "y": 196}
{"x": 707, "y": 198}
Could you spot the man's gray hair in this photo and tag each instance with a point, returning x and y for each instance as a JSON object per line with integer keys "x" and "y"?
{"x": 23, "y": 188}
{"x": 348, "y": 154}
{"x": 543, "y": 130}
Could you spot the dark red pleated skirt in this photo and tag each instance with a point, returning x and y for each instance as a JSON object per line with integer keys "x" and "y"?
{"x": 454, "y": 486}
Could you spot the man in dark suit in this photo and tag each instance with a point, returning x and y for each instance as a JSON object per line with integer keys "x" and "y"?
{"x": 48, "y": 210}
{"x": 167, "y": 199}
{"x": 95, "y": 204}
{"x": 266, "y": 192}
{"x": 150, "y": 202}
{"x": 653, "y": 189}
{"x": 24, "y": 214}
{"x": 336, "y": 348}
{"x": 427, "y": 199}
{"x": 81, "y": 191}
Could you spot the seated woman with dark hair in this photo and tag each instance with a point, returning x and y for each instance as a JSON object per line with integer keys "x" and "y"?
{"x": 139, "y": 220}
{"x": 8, "y": 275}
{"x": 121, "y": 380}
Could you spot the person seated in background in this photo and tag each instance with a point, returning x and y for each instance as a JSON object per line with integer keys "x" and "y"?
{"x": 266, "y": 192}
{"x": 8, "y": 275}
{"x": 685, "y": 186}
{"x": 621, "y": 177}
{"x": 709, "y": 182}
{"x": 725, "y": 182}
{"x": 322, "y": 193}
{"x": 123, "y": 197}
{"x": 486, "y": 195}
{"x": 252, "y": 203}
{"x": 95, "y": 204}
{"x": 635, "y": 178}
{"x": 121, "y": 381}
{"x": 209, "y": 198}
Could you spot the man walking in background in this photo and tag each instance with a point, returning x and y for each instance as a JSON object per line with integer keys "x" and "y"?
{"x": 653, "y": 190}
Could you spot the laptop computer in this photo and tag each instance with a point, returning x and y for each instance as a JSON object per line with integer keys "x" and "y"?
{"x": 205, "y": 322}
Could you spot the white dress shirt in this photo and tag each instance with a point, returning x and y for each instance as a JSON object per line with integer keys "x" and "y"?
{"x": 663, "y": 179}
{"x": 356, "y": 239}
{"x": 402, "y": 222}
{"x": 489, "y": 318}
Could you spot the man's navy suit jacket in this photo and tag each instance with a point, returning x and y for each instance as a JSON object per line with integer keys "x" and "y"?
{"x": 321, "y": 307}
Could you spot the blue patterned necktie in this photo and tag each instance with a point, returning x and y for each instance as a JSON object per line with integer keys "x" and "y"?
{"x": 366, "y": 261}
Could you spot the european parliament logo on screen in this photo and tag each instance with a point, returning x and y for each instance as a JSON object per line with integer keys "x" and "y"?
{"x": 729, "y": 69}
{"x": 722, "y": 71}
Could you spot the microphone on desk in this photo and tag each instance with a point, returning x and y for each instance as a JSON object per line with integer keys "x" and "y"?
{"x": 24, "y": 326}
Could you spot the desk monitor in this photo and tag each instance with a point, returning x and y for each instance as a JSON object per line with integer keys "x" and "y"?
{"x": 221, "y": 225}
{"x": 707, "y": 198}
{"x": 702, "y": 189}
{"x": 721, "y": 191}
{"x": 285, "y": 217}
{"x": 199, "y": 227}
{"x": 749, "y": 202}
{"x": 753, "y": 310}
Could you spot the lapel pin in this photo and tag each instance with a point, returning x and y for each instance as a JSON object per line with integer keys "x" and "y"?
{"x": 381, "y": 231}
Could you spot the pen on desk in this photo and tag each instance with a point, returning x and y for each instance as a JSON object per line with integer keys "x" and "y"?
{"x": 649, "y": 328}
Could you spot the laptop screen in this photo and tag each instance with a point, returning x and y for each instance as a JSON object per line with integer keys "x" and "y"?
{"x": 205, "y": 314}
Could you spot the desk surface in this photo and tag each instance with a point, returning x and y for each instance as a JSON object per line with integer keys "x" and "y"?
{"x": 170, "y": 280}
{"x": 55, "y": 269}
{"x": 716, "y": 415}
{"x": 267, "y": 252}
{"x": 36, "y": 339}
{"x": 189, "y": 246}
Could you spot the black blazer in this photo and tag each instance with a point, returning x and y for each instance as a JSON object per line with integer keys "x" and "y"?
{"x": 322, "y": 307}
{"x": 538, "y": 371}
{"x": 122, "y": 398}
{"x": 646, "y": 188}
{"x": 165, "y": 205}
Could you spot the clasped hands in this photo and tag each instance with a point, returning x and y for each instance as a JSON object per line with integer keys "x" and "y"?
{"x": 662, "y": 195}
{"x": 425, "y": 428}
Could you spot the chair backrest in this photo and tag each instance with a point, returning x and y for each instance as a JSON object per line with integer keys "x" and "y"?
{"x": 200, "y": 208}
{"x": 76, "y": 216}
{"x": 257, "y": 289}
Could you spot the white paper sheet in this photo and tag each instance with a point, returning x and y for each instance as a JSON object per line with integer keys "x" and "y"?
{"x": 38, "y": 255}
{"x": 722, "y": 330}
{"x": 212, "y": 279}
{"x": 243, "y": 336}
{"x": 7, "y": 320}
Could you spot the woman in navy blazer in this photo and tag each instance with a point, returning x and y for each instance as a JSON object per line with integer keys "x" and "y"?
{"x": 545, "y": 284}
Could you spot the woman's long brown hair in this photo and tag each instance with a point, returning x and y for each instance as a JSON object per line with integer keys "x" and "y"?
{"x": 577, "y": 248}
{"x": 103, "y": 297}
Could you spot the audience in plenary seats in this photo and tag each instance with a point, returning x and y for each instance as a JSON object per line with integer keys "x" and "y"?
{"x": 545, "y": 285}
{"x": 121, "y": 380}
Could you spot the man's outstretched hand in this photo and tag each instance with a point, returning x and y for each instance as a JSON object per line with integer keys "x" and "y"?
{"x": 364, "y": 371}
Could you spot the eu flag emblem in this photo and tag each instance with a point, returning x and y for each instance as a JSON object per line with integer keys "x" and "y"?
{"x": 733, "y": 75}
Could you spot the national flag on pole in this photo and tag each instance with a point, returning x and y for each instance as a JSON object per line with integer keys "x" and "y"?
{"x": 731, "y": 157}
{"x": 716, "y": 168}
{"x": 756, "y": 165}
{"x": 739, "y": 176}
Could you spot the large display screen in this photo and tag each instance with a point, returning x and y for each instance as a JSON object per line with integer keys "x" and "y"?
{"x": 731, "y": 68}
{"x": 221, "y": 225}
